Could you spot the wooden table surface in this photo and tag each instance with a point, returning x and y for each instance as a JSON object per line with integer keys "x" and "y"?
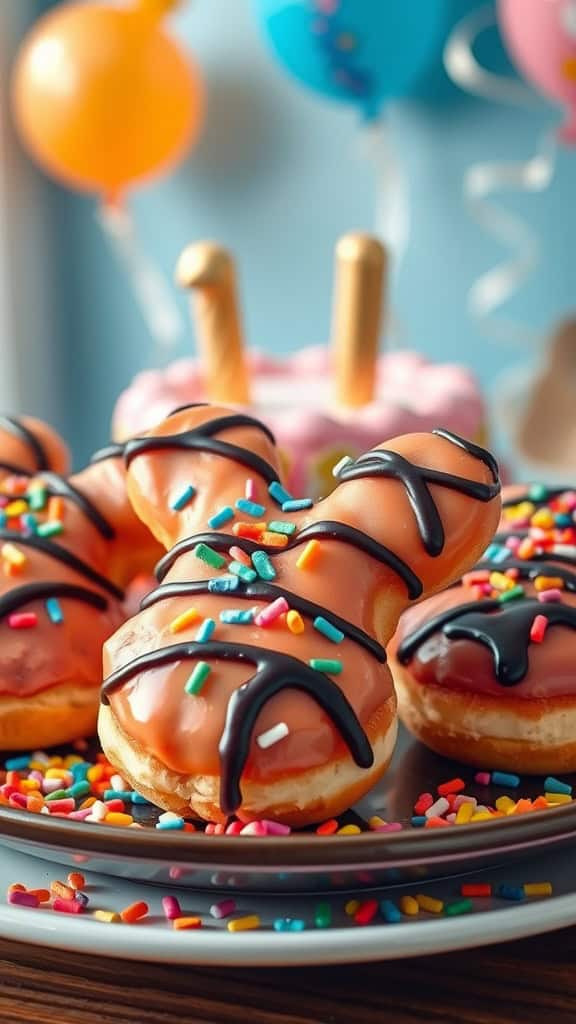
{"x": 521, "y": 982}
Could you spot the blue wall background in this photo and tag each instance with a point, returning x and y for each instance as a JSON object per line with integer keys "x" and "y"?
{"x": 278, "y": 176}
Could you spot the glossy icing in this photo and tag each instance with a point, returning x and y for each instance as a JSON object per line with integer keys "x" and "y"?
{"x": 484, "y": 645}
{"x": 369, "y": 532}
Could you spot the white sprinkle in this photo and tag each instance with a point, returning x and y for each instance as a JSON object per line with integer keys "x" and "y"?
{"x": 438, "y": 809}
{"x": 344, "y": 461}
{"x": 272, "y": 736}
{"x": 99, "y": 811}
{"x": 565, "y": 549}
{"x": 118, "y": 784}
{"x": 169, "y": 816}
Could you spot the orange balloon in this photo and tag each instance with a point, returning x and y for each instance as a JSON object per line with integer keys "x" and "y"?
{"x": 104, "y": 98}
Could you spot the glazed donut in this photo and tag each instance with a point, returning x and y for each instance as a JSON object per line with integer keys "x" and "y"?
{"x": 486, "y": 672}
{"x": 67, "y": 545}
{"x": 254, "y": 679}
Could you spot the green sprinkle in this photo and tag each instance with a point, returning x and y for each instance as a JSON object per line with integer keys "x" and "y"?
{"x": 331, "y": 665}
{"x": 458, "y": 907}
{"x": 278, "y": 526}
{"x": 323, "y": 915}
{"x": 511, "y": 595}
{"x": 242, "y": 571}
{"x": 263, "y": 566}
{"x": 49, "y": 529}
{"x": 538, "y": 492}
{"x": 58, "y": 794}
{"x": 37, "y": 498}
{"x": 198, "y": 678}
{"x": 208, "y": 555}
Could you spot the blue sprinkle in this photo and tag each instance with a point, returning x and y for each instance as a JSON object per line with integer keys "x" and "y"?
{"x": 205, "y": 631}
{"x": 181, "y": 500}
{"x": 237, "y": 616}
{"x": 54, "y": 609}
{"x": 297, "y": 504}
{"x": 250, "y": 508}
{"x": 328, "y": 630}
{"x": 220, "y": 518}
{"x": 17, "y": 764}
{"x": 80, "y": 788}
{"x": 82, "y": 898}
{"x": 118, "y": 794}
{"x": 390, "y": 912}
{"x": 490, "y": 552}
{"x": 505, "y": 779}
{"x": 223, "y": 584}
{"x": 28, "y": 521}
{"x": 279, "y": 493}
{"x": 289, "y": 924}
{"x": 552, "y": 785}
{"x": 172, "y": 825}
{"x": 80, "y": 770}
{"x": 137, "y": 798}
{"x": 245, "y": 574}
{"x": 419, "y": 820}
{"x": 3, "y": 518}
{"x": 562, "y": 519}
{"x": 501, "y": 555}
{"x": 510, "y": 892}
{"x": 263, "y": 566}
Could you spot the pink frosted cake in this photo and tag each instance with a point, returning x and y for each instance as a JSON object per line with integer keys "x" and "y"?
{"x": 293, "y": 396}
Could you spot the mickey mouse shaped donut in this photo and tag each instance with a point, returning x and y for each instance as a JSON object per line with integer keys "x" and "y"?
{"x": 486, "y": 672}
{"x": 67, "y": 545}
{"x": 254, "y": 679}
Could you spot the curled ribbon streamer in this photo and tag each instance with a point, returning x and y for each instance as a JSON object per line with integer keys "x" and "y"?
{"x": 392, "y": 216}
{"x": 152, "y": 291}
{"x": 482, "y": 180}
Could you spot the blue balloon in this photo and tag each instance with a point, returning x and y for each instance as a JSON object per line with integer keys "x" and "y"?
{"x": 362, "y": 52}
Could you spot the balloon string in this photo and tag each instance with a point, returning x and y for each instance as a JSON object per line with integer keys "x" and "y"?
{"x": 152, "y": 291}
{"x": 392, "y": 214}
{"x": 482, "y": 180}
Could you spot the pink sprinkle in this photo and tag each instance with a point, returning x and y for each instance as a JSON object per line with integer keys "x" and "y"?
{"x": 36, "y": 775}
{"x": 223, "y": 909}
{"x": 254, "y": 828}
{"x": 67, "y": 906}
{"x": 538, "y": 629}
{"x": 250, "y": 491}
{"x": 51, "y": 785}
{"x": 175, "y": 873}
{"x": 19, "y": 799}
{"x": 438, "y": 809}
{"x": 22, "y": 620}
{"x": 519, "y": 524}
{"x": 171, "y": 908}
{"x": 451, "y": 818}
{"x": 462, "y": 798}
{"x": 391, "y": 826}
{"x": 276, "y": 828}
{"x": 482, "y": 778}
{"x": 80, "y": 815}
{"x": 513, "y": 543}
{"x": 62, "y": 806}
{"x": 22, "y": 899}
{"x": 569, "y": 499}
{"x": 546, "y": 596}
{"x": 234, "y": 828}
{"x": 7, "y": 790}
{"x": 239, "y": 556}
{"x": 271, "y": 612}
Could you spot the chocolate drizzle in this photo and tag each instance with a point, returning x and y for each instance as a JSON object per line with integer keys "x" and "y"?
{"x": 18, "y": 597}
{"x": 58, "y": 485}
{"x": 110, "y": 451}
{"x": 201, "y": 439}
{"x": 15, "y": 427}
{"x": 274, "y": 672}
{"x": 415, "y": 479}
{"x": 48, "y": 547}
{"x": 259, "y": 590}
{"x": 325, "y": 530}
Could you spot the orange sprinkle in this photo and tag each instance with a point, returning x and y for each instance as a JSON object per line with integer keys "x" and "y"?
{"x": 522, "y": 806}
{"x": 470, "y": 579}
{"x": 180, "y": 923}
{"x": 16, "y": 887}
{"x": 548, "y": 583}
{"x": 540, "y": 804}
{"x": 88, "y": 802}
{"x": 240, "y": 556}
{"x": 27, "y": 785}
{"x": 61, "y": 890}
{"x": 118, "y": 818}
{"x": 274, "y": 540}
{"x": 55, "y": 509}
{"x": 436, "y": 823}
{"x": 187, "y": 618}
{"x": 294, "y": 621}
{"x": 134, "y": 912}
{"x": 309, "y": 556}
{"x": 252, "y": 531}
{"x": 15, "y": 558}
{"x": 34, "y": 803}
{"x": 76, "y": 880}
{"x": 328, "y": 828}
{"x": 526, "y": 548}
{"x": 95, "y": 773}
{"x": 543, "y": 518}
{"x": 42, "y": 895}
{"x": 12, "y": 778}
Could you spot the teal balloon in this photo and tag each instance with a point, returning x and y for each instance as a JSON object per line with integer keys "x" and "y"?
{"x": 363, "y": 52}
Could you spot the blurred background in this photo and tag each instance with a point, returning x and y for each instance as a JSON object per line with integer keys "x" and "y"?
{"x": 278, "y": 173}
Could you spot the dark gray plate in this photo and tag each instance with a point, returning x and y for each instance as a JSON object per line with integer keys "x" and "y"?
{"x": 304, "y": 861}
